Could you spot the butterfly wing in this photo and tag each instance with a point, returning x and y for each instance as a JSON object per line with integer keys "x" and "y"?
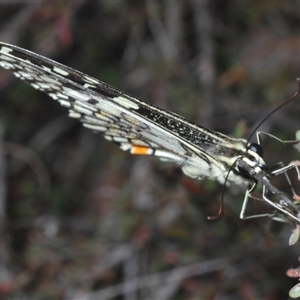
{"x": 132, "y": 124}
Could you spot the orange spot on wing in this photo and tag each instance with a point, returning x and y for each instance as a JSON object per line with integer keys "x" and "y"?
{"x": 141, "y": 150}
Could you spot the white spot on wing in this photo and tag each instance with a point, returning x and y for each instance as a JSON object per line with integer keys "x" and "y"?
{"x": 94, "y": 127}
{"x": 74, "y": 114}
{"x": 120, "y": 139}
{"x": 5, "y": 50}
{"x": 125, "y": 146}
{"x": 114, "y": 133}
{"x": 107, "y": 137}
{"x": 60, "y": 95}
{"x": 85, "y": 105}
{"x": 125, "y": 102}
{"x": 53, "y": 96}
{"x": 7, "y": 58}
{"x": 60, "y": 71}
{"x": 83, "y": 110}
{"x": 32, "y": 84}
{"x": 87, "y": 85}
{"x": 94, "y": 120}
{"x": 76, "y": 95}
{"x": 6, "y": 65}
{"x": 49, "y": 79}
{"x": 91, "y": 79}
{"x": 45, "y": 86}
{"x": 109, "y": 109}
{"x": 102, "y": 117}
{"x": 46, "y": 69}
{"x": 167, "y": 155}
{"x": 25, "y": 75}
{"x": 64, "y": 103}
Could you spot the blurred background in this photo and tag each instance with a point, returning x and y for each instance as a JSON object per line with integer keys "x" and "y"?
{"x": 81, "y": 219}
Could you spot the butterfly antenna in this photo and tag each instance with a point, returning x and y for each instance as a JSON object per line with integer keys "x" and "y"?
{"x": 220, "y": 213}
{"x": 277, "y": 108}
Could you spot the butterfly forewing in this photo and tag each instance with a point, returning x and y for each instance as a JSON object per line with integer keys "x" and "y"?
{"x": 132, "y": 124}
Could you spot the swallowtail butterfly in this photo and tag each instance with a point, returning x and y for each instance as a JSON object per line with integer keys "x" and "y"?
{"x": 145, "y": 129}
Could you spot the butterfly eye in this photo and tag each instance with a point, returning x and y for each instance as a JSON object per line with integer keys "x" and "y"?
{"x": 256, "y": 148}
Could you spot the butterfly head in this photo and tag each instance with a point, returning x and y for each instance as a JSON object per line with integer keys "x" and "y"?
{"x": 254, "y": 158}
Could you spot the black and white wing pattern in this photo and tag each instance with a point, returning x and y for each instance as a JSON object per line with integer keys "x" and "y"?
{"x": 132, "y": 124}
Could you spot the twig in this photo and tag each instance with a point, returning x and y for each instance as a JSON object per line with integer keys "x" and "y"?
{"x": 10, "y": 33}
{"x": 33, "y": 160}
{"x": 5, "y": 274}
{"x": 159, "y": 279}
{"x": 206, "y": 67}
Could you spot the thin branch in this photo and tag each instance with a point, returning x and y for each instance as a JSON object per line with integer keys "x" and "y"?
{"x": 6, "y": 275}
{"x": 159, "y": 279}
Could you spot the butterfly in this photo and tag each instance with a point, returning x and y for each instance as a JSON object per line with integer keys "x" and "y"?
{"x": 143, "y": 129}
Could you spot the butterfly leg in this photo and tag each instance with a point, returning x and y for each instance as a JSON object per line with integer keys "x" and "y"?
{"x": 280, "y": 168}
{"x": 260, "y": 133}
{"x": 286, "y": 211}
{"x": 245, "y": 204}
{"x": 285, "y": 207}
